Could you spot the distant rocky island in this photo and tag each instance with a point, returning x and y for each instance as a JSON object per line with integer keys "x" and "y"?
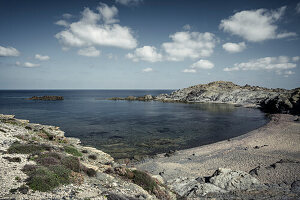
{"x": 47, "y": 98}
{"x": 269, "y": 100}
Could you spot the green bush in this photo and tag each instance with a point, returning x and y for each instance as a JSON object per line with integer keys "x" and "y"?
{"x": 49, "y": 158}
{"x": 47, "y": 178}
{"x": 73, "y": 151}
{"x": 144, "y": 180}
{"x": 62, "y": 173}
{"x": 43, "y": 179}
{"x": 71, "y": 163}
{"x": 27, "y": 148}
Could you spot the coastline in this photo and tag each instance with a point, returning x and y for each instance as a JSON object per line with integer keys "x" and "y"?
{"x": 270, "y": 155}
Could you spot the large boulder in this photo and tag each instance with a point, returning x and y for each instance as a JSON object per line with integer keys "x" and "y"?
{"x": 231, "y": 180}
{"x": 222, "y": 181}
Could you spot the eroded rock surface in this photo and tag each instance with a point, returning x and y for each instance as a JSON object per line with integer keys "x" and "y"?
{"x": 271, "y": 100}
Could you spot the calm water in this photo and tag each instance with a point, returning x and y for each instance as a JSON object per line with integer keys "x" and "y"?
{"x": 124, "y": 128}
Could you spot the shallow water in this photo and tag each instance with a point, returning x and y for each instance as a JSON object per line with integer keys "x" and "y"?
{"x": 127, "y": 128}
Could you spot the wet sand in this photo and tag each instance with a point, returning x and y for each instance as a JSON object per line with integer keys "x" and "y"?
{"x": 271, "y": 153}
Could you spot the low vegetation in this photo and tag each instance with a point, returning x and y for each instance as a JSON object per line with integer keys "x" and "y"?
{"x": 142, "y": 179}
{"x": 20, "y": 148}
{"x": 53, "y": 167}
{"x": 73, "y": 151}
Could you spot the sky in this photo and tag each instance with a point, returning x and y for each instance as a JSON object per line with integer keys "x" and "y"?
{"x": 148, "y": 44}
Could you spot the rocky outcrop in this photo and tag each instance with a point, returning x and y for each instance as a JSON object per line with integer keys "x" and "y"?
{"x": 47, "y": 98}
{"x": 230, "y": 184}
{"x": 269, "y": 100}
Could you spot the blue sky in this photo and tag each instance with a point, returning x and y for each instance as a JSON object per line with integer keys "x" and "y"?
{"x": 148, "y": 44}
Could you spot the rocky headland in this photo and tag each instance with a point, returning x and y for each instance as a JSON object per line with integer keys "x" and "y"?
{"x": 270, "y": 100}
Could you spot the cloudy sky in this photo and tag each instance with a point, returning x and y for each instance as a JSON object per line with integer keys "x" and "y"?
{"x": 148, "y": 44}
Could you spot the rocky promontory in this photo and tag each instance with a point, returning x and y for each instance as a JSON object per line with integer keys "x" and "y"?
{"x": 270, "y": 100}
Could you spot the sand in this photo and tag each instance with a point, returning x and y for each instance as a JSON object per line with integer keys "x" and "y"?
{"x": 272, "y": 152}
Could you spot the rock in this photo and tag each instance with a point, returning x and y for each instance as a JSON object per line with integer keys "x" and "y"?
{"x": 13, "y": 159}
{"x": 269, "y": 100}
{"x": 23, "y": 189}
{"x": 189, "y": 187}
{"x": 47, "y": 98}
{"x": 254, "y": 171}
{"x": 295, "y": 187}
{"x": 233, "y": 180}
{"x": 148, "y": 97}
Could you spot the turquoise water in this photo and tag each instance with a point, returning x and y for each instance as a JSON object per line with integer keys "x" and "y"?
{"x": 127, "y": 128}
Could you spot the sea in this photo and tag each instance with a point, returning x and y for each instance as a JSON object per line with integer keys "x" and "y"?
{"x": 131, "y": 129}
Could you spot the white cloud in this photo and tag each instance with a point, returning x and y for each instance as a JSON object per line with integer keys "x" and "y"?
{"x": 40, "y": 57}
{"x": 108, "y": 13}
{"x": 255, "y": 25}
{"x": 67, "y": 16}
{"x": 62, "y": 23}
{"x": 146, "y": 53}
{"x": 8, "y": 51}
{"x": 298, "y": 8}
{"x": 234, "y": 47}
{"x": 296, "y": 58}
{"x": 288, "y": 73}
{"x": 129, "y": 2}
{"x": 29, "y": 64}
{"x": 95, "y": 28}
{"x": 203, "y": 64}
{"x": 89, "y": 52}
{"x": 268, "y": 63}
{"x": 187, "y": 27}
{"x": 189, "y": 71}
{"x": 189, "y": 45}
{"x": 286, "y": 34}
{"x": 148, "y": 69}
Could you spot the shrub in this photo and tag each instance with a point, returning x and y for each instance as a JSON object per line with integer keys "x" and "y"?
{"x": 49, "y": 158}
{"x": 144, "y": 180}
{"x": 93, "y": 157}
{"x": 89, "y": 171}
{"x": 63, "y": 173}
{"x": 27, "y": 148}
{"x": 28, "y": 169}
{"x": 48, "y": 161}
{"x": 71, "y": 163}
{"x": 42, "y": 179}
{"x": 72, "y": 150}
{"x": 46, "y": 178}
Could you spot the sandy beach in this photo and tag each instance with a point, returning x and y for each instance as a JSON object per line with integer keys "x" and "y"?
{"x": 270, "y": 153}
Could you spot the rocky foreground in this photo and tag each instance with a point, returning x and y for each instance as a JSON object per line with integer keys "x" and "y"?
{"x": 270, "y": 100}
{"x": 39, "y": 162}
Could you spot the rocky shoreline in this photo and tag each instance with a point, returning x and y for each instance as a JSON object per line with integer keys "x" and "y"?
{"x": 270, "y": 154}
{"x": 39, "y": 162}
{"x": 269, "y": 100}
{"x": 246, "y": 167}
